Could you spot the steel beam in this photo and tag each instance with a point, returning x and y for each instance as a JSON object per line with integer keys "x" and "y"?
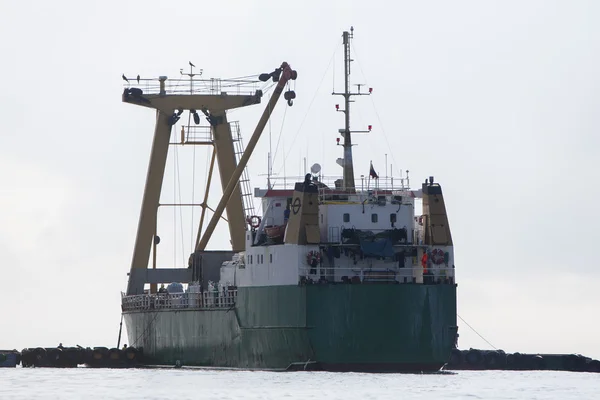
{"x": 150, "y": 201}
{"x": 286, "y": 75}
{"x": 227, "y": 163}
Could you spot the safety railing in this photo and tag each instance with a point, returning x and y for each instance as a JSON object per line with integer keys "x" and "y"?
{"x": 196, "y": 134}
{"x": 349, "y": 234}
{"x": 200, "y": 301}
{"x": 334, "y": 182}
{"x": 433, "y": 274}
{"x": 185, "y": 86}
{"x": 379, "y": 196}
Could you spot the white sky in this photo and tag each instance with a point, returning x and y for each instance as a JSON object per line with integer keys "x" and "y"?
{"x": 497, "y": 99}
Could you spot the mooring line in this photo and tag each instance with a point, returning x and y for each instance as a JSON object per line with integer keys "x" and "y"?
{"x": 473, "y": 329}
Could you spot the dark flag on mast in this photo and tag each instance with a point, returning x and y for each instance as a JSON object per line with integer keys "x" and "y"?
{"x": 372, "y": 172}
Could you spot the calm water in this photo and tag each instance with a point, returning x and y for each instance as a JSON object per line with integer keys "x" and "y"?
{"x": 165, "y": 384}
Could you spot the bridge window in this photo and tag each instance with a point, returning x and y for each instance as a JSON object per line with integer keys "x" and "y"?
{"x": 346, "y": 217}
{"x": 374, "y": 218}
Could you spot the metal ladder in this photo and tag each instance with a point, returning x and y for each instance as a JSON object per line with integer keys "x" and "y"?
{"x": 244, "y": 182}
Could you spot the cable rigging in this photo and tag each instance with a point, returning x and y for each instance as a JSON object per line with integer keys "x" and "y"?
{"x": 473, "y": 329}
{"x": 193, "y": 180}
{"x": 309, "y": 106}
{"x": 180, "y": 208}
{"x": 177, "y": 179}
{"x": 377, "y": 114}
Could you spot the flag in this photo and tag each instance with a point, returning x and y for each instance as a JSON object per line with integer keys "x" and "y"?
{"x": 372, "y": 172}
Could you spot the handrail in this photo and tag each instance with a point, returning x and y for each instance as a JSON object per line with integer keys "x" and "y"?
{"x": 197, "y": 301}
{"x": 371, "y": 196}
{"x": 196, "y": 133}
{"x": 391, "y": 184}
{"x": 391, "y": 273}
{"x": 185, "y": 86}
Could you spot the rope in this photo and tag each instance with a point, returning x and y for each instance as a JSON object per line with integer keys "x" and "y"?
{"x": 378, "y": 118}
{"x": 175, "y": 208}
{"x": 209, "y": 154}
{"x": 309, "y": 107}
{"x": 268, "y": 87}
{"x": 193, "y": 187}
{"x": 265, "y": 90}
{"x": 473, "y": 329}
{"x": 145, "y": 330}
{"x": 279, "y": 138}
{"x": 178, "y": 185}
{"x": 271, "y": 158}
{"x": 243, "y": 77}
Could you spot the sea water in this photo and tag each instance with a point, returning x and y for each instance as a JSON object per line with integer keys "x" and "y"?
{"x": 181, "y": 384}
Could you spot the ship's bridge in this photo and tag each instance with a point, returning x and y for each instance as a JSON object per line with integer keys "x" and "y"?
{"x": 374, "y": 234}
{"x": 385, "y": 204}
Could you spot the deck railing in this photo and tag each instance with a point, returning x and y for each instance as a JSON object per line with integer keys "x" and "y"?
{"x": 359, "y": 274}
{"x": 200, "y": 301}
{"x": 372, "y": 196}
{"x": 185, "y": 86}
{"x": 334, "y": 235}
{"x": 388, "y": 185}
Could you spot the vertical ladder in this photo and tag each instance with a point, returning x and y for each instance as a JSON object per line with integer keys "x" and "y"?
{"x": 245, "y": 189}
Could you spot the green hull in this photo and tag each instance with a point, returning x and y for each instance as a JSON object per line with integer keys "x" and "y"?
{"x": 402, "y": 327}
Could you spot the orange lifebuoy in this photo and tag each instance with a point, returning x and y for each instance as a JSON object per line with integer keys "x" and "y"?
{"x": 437, "y": 256}
{"x": 313, "y": 256}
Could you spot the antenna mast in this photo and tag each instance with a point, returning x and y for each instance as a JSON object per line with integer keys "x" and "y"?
{"x": 346, "y": 132}
{"x": 191, "y": 75}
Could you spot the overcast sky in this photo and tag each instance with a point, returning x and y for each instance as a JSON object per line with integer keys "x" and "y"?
{"x": 497, "y": 99}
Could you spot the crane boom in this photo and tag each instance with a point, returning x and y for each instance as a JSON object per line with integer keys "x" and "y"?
{"x": 286, "y": 74}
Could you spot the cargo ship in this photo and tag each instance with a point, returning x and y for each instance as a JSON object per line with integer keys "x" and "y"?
{"x": 332, "y": 275}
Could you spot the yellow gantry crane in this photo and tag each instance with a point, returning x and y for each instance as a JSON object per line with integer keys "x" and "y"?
{"x": 210, "y": 97}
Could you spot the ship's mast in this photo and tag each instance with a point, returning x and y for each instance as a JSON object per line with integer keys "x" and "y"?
{"x": 348, "y": 166}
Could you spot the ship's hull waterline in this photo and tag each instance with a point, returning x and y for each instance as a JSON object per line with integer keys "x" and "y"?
{"x": 342, "y": 327}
